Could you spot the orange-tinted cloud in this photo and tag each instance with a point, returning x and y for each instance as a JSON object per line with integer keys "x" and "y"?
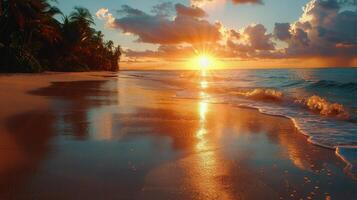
{"x": 259, "y": 38}
{"x": 247, "y": 1}
{"x": 187, "y": 27}
{"x": 190, "y": 11}
{"x": 326, "y": 29}
{"x": 164, "y": 51}
{"x": 200, "y": 2}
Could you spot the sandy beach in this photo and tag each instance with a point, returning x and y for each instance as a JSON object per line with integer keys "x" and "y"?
{"x": 101, "y": 135}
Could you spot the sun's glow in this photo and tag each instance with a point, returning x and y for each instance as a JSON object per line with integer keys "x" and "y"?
{"x": 205, "y": 61}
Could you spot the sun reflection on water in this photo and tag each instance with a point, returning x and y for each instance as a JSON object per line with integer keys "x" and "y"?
{"x": 200, "y": 135}
{"x": 203, "y": 73}
{"x": 204, "y": 84}
{"x": 207, "y": 164}
{"x": 203, "y": 106}
{"x": 202, "y": 111}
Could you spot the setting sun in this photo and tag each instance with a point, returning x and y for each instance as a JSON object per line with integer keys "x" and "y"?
{"x": 205, "y": 61}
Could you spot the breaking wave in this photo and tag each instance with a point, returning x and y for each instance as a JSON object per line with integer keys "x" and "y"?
{"x": 314, "y": 103}
{"x": 324, "y": 107}
{"x": 262, "y": 94}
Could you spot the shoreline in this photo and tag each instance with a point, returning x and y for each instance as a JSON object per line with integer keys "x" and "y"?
{"x": 349, "y": 165}
{"x": 203, "y": 152}
{"x": 104, "y": 75}
{"x": 295, "y": 125}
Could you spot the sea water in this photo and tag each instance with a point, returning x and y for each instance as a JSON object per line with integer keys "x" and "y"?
{"x": 321, "y": 102}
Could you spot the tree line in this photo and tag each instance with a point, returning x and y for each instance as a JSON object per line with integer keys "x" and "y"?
{"x": 35, "y": 36}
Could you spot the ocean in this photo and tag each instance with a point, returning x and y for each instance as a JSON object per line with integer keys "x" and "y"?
{"x": 321, "y": 102}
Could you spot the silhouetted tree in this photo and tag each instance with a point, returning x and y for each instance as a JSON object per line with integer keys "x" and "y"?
{"x": 32, "y": 39}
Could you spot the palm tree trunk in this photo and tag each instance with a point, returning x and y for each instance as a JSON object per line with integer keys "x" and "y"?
{"x": 1, "y": 11}
{"x": 29, "y": 38}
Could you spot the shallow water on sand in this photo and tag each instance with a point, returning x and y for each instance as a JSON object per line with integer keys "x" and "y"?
{"x": 131, "y": 138}
{"x": 321, "y": 102}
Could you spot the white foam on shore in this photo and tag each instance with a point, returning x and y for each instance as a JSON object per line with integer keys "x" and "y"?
{"x": 344, "y": 153}
{"x": 322, "y": 134}
{"x": 322, "y": 131}
{"x": 329, "y": 124}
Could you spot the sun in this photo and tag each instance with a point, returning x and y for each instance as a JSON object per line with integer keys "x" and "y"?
{"x": 204, "y": 62}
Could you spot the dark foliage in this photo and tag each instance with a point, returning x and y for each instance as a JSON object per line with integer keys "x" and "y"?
{"x": 33, "y": 40}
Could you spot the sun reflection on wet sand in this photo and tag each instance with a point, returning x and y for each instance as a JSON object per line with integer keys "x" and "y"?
{"x": 206, "y": 169}
{"x": 200, "y": 135}
{"x": 202, "y": 111}
{"x": 204, "y": 84}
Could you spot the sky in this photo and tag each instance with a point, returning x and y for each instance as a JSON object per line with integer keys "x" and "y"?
{"x": 160, "y": 34}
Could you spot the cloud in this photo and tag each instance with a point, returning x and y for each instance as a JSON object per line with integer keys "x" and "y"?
{"x": 253, "y": 41}
{"x": 190, "y": 11}
{"x": 259, "y": 38}
{"x": 164, "y": 51}
{"x": 104, "y": 14}
{"x": 164, "y": 9}
{"x": 186, "y": 27}
{"x": 234, "y": 34}
{"x": 247, "y": 1}
{"x": 282, "y": 31}
{"x": 202, "y": 2}
{"x": 324, "y": 29}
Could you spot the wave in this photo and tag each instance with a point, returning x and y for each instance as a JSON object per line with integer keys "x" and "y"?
{"x": 324, "y": 107}
{"x": 295, "y": 83}
{"x": 277, "y": 77}
{"x": 333, "y": 84}
{"x": 262, "y": 94}
{"x": 323, "y": 131}
{"x": 314, "y": 103}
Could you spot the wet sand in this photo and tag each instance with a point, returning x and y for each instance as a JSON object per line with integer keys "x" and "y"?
{"x": 95, "y": 136}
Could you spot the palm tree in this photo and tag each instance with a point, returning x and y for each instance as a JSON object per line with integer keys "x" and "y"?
{"x": 31, "y": 39}
{"x": 1, "y": 7}
{"x": 78, "y": 39}
{"x": 48, "y": 26}
{"x": 29, "y": 17}
{"x": 109, "y": 45}
{"x": 21, "y": 22}
{"x": 117, "y": 54}
{"x": 82, "y": 18}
